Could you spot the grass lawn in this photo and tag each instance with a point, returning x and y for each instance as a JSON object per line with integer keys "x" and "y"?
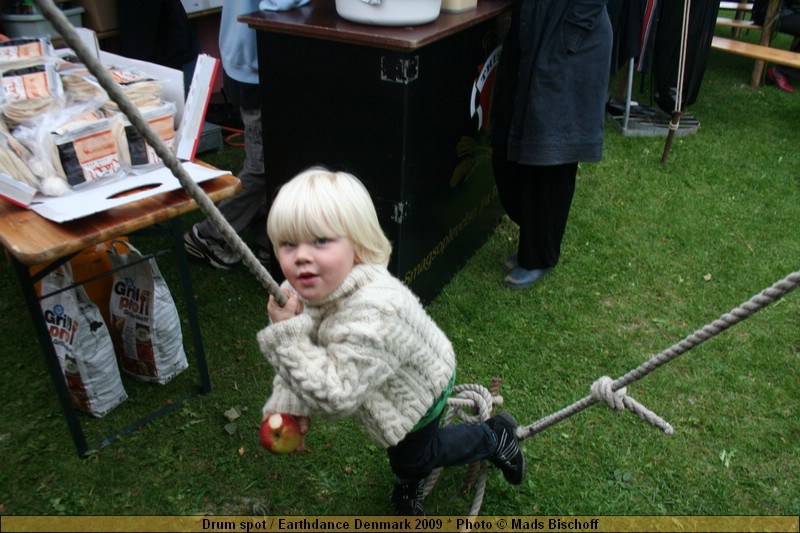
{"x": 652, "y": 253}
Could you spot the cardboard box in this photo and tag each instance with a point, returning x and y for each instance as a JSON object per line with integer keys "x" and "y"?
{"x": 100, "y": 15}
{"x": 36, "y": 25}
{"x": 106, "y": 195}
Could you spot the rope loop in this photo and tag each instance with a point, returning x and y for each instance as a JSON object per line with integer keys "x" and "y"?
{"x": 471, "y": 403}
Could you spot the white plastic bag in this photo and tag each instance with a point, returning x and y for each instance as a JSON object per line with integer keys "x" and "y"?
{"x": 83, "y": 345}
{"x": 144, "y": 320}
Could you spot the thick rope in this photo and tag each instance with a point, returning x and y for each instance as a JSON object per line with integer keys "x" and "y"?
{"x": 738, "y": 314}
{"x": 115, "y": 92}
{"x": 613, "y": 392}
{"x": 472, "y": 404}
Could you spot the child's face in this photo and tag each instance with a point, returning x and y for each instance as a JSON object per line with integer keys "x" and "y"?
{"x": 315, "y": 269}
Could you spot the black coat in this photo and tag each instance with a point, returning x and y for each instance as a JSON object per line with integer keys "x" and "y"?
{"x": 552, "y": 82}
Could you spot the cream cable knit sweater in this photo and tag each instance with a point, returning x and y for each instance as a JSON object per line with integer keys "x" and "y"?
{"x": 369, "y": 350}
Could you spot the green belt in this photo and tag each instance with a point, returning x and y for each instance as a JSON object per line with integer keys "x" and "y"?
{"x": 437, "y": 407}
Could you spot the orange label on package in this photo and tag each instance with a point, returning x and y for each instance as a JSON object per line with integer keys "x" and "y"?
{"x": 163, "y": 127}
{"x": 32, "y": 49}
{"x": 97, "y": 154}
{"x": 124, "y": 77}
{"x": 27, "y": 87}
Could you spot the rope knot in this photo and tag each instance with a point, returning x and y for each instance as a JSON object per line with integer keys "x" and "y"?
{"x": 618, "y": 400}
{"x": 603, "y": 392}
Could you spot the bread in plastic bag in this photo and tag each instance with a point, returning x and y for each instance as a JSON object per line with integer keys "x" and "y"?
{"x": 137, "y": 153}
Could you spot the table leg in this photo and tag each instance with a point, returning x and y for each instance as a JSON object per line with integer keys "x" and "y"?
{"x": 50, "y": 356}
{"x": 191, "y": 307}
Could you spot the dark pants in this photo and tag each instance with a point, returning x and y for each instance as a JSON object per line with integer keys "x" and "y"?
{"x": 789, "y": 22}
{"x": 421, "y": 451}
{"x": 538, "y": 200}
{"x": 249, "y": 207}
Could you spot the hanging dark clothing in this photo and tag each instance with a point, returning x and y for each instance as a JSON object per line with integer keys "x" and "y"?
{"x": 666, "y": 51}
{"x": 627, "y": 20}
{"x": 158, "y": 31}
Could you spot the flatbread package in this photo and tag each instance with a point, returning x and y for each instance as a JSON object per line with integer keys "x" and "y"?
{"x": 137, "y": 153}
{"x": 144, "y": 320}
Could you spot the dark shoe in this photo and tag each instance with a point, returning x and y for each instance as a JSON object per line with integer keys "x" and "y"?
{"x": 409, "y": 498}
{"x": 208, "y": 251}
{"x": 519, "y": 278}
{"x": 510, "y": 263}
{"x": 508, "y": 456}
{"x": 777, "y": 78}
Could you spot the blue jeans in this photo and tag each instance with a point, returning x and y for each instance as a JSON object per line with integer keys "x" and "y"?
{"x": 430, "y": 447}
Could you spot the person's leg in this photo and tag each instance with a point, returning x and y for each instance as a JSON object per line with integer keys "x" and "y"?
{"x": 420, "y": 452}
{"x": 507, "y": 180}
{"x": 250, "y": 202}
{"x": 255, "y": 168}
{"x": 546, "y": 192}
{"x": 247, "y": 208}
{"x": 431, "y": 447}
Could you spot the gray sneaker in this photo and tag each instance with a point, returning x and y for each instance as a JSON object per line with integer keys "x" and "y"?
{"x": 209, "y": 251}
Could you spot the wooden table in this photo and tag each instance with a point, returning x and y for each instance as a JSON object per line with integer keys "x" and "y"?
{"x": 32, "y": 240}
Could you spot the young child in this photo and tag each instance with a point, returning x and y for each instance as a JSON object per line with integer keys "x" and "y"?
{"x": 352, "y": 340}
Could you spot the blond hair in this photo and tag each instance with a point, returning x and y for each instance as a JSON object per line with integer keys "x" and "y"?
{"x": 322, "y": 203}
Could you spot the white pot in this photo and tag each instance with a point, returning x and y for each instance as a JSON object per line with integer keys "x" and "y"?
{"x": 389, "y": 12}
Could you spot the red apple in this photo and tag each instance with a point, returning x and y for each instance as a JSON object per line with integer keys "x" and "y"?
{"x": 280, "y": 434}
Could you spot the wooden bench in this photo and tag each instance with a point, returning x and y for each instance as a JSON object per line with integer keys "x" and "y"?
{"x": 738, "y": 23}
{"x": 736, "y": 6}
{"x": 761, "y": 53}
{"x": 756, "y": 51}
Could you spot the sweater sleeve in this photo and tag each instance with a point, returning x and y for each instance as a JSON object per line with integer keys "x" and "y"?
{"x": 283, "y": 400}
{"x": 333, "y": 378}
